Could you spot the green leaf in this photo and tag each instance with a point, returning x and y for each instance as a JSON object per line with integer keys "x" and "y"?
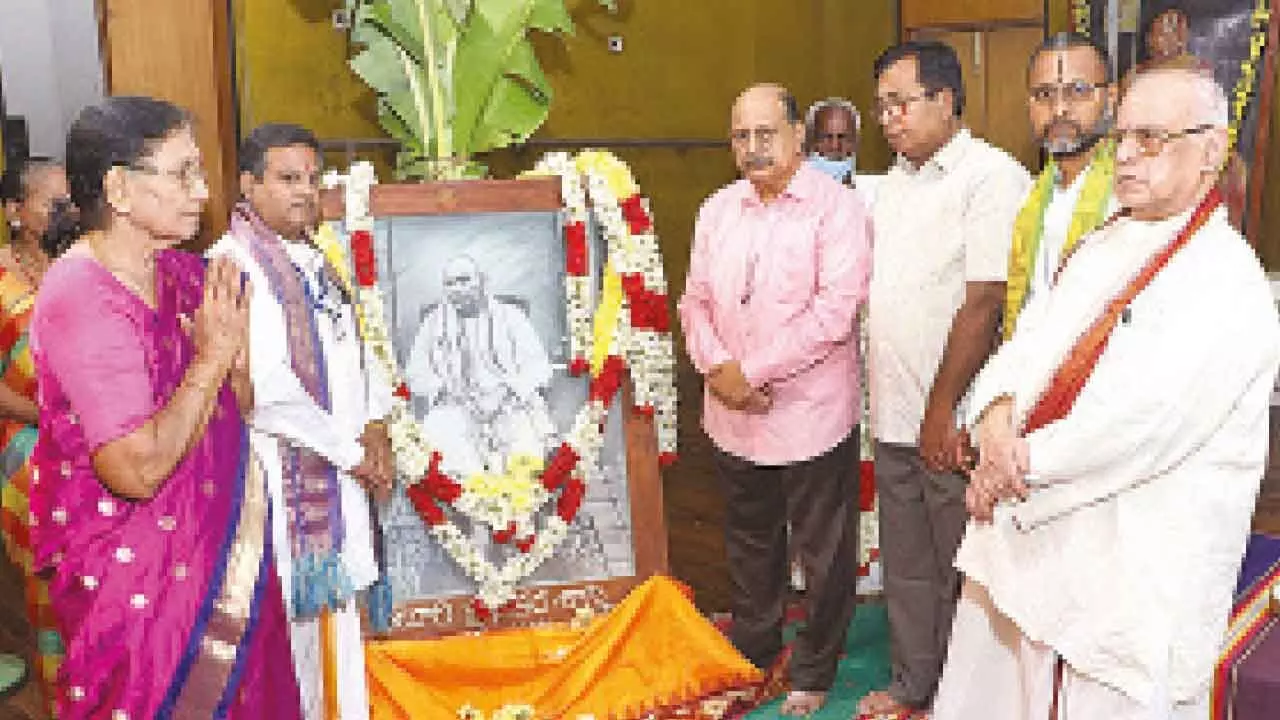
{"x": 550, "y": 16}
{"x": 511, "y": 116}
{"x": 495, "y": 46}
{"x": 380, "y": 67}
{"x": 455, "y": 77}
{"x": 391, "y": 21}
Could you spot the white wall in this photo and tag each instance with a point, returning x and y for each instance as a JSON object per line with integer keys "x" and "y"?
{"x": 50, "y": 66}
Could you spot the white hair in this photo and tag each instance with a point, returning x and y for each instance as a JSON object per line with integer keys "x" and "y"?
{"x": 831, "y": 103}
{"x": 1209, "y": 104}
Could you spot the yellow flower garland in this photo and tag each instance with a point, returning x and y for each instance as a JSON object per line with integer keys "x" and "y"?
{"x": 606, "y": 320}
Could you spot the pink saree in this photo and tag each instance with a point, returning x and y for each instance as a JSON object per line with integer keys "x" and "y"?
{"x": 169, "y": 607}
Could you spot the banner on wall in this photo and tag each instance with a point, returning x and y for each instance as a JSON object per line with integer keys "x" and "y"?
{"x": 1230, "y": 38}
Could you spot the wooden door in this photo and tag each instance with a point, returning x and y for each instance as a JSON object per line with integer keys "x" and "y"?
{"x": 969, "y": 49}
{"x": 1008, "y": 50}
{"x": 993, "y": 66}
{"x": 187, "y": 64}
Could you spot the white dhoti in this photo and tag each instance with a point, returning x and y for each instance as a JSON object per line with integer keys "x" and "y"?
{"x": 995, "y": 672}
{"x": 308, "y": 661}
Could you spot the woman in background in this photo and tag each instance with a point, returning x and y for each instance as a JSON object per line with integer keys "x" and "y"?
{"x": 28, "y": 193}
{"x": 150, "y": 515}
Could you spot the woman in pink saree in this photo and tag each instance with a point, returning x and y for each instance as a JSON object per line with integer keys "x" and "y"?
{"x": 149, "y": 514}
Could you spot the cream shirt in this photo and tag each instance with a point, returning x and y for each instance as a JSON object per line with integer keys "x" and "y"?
{"x": 1124, "y": 558}
{"x": 936, "y": 227}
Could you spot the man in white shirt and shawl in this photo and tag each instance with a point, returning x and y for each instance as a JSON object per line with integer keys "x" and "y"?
{"x": 478, "y": 365}
{"x": 1122, "y": 436}
{"x": 317, "y": 419}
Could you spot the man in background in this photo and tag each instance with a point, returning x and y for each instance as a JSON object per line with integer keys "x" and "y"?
{"x": 832, "y": 129}
{"x": 1071, "y": 104}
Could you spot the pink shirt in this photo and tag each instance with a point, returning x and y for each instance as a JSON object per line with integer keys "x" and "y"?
{"x": 777, "y": 287}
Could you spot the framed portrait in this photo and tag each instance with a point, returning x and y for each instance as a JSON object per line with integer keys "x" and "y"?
{"x": 1217, "y": 36}
{"x": 473, "y": 278}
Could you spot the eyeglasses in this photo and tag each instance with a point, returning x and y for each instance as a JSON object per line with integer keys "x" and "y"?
{"x": 191, "y": 176}
{"x": 1152, "y": 141}
{"x": 1071, "y": 93}
{"x": 764, "y": 136}
{"x": 896, "y": 105}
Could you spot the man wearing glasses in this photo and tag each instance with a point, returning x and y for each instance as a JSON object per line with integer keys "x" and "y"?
{"x": 779, "y": 268}
{"x": 943, "y": 217}
{"x": 1122, "y": 436}
{"x": 317, "y": 420}
{"x": 1071, "y": 104}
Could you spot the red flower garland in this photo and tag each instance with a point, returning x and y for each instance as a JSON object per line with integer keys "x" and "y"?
{"x": 648, "y": 310}
{"x": 637, "y": 219}
{"x": 575, "y": 248}
{"x": 363, "y": 258}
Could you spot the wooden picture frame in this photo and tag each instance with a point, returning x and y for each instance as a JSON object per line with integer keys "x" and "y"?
{"x": 1218, "y": 32}
{"x": 424, "y": 618}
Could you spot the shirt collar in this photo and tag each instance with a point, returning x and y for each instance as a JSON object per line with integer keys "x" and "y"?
{"x": 802, "y": 185}
{"x": 945, "y": 158}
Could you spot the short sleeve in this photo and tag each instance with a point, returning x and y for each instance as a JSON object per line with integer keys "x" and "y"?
{"x": 994, "y": 201}
{"x": 88, "y": 334}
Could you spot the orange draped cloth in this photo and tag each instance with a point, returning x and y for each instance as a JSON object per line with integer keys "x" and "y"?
{"x": 654, "y": 650}
{"x": 1074, "y": 372}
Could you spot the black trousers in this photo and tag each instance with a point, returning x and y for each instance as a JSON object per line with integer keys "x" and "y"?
{"x": 819, "y": 497}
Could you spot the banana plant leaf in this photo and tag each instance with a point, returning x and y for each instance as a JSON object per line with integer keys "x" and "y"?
{"x": 455, "y": 77}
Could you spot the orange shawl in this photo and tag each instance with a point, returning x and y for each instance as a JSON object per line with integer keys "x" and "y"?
{"x": 1070, "y": 377}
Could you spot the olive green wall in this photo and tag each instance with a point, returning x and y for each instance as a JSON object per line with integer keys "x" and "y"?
{"x": 683, "y": 62}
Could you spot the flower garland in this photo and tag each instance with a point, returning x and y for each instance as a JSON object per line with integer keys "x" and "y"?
{"x": 1081, "y": 17}
{"x": 1245, "y": 84}
{"x": 629, "y": 332}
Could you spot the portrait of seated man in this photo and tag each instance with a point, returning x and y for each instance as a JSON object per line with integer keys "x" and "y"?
{"x": 478, "y": 372}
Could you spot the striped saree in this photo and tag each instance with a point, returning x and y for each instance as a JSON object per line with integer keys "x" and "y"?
{"x": 16, "y": 440}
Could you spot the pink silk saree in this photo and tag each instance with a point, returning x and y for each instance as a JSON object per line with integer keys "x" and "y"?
{"x": 168, "y": 607}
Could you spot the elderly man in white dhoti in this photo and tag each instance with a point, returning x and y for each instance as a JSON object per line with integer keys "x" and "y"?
{"x": 478, "y": 365}
{"x": 1122, "y": 435}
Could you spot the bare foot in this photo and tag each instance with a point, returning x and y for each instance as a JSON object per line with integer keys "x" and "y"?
{"x": 880, "y": 705}
{"x": 803, "y": 703}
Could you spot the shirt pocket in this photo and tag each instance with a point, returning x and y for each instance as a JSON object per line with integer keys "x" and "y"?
{"x": 790, "y": 267}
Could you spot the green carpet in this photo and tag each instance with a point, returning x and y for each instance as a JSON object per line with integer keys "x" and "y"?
{"x": 865, "y": 666}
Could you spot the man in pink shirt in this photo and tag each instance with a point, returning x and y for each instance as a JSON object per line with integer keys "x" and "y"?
{"x": 781, "y": 262}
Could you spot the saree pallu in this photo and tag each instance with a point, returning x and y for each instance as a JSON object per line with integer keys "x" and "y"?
{"x": 169, "y": 607}
{"x": 16, "y": 441}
